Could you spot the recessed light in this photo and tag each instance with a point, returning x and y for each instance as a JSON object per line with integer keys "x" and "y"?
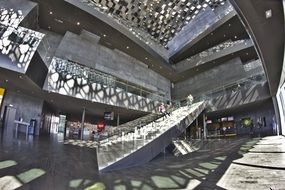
{"x": 224, "y": 35}
{"x": 6, "y": 80}
{"x": 229, "y": 24}
{"x": 50, "y": 12}
{"x": 146, "y": 58}
{"x": 235, "y": 37}
{"x": 20, "y": 76}
{"x": 104, "y": 35}
{"x": 127, "y": 47}
{"x": 78, "y": 23}
{"x": 268, "y": 13}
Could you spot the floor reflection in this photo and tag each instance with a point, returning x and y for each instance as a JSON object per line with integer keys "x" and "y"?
{"x": 46, "y": 163}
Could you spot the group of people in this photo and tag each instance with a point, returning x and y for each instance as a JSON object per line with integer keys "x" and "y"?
{"x": 164, "y": 110}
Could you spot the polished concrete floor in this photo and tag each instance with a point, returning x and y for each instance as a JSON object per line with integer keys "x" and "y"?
{"x": 237, "y": 163}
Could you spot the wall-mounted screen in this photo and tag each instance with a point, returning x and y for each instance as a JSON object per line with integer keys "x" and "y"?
{"x": 231, "y": 118}
{"x": 108, "y": 115}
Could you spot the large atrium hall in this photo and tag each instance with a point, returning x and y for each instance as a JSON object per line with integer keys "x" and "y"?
{"x": 142, "y": 94}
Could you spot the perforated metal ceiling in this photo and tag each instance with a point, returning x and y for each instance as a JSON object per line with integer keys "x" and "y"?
{"x": 162, "y": 19}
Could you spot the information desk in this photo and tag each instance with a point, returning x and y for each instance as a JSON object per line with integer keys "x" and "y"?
{"x": 21, "y": 123}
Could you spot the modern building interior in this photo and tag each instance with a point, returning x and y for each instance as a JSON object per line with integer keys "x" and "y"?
{"x": 142, "y": 94}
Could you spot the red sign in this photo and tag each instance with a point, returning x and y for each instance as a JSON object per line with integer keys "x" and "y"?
{"x": 100, "y": 126}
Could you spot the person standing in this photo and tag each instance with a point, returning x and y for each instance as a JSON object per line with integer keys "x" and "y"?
{"x": 163, "y": 111}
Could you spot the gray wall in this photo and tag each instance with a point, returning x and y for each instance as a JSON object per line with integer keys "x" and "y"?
{"x": 204, "y": 20}
{"x": 219, "y": 76}
{"x": 85, "y": 50}
{"x": 259, "y": 109}
{"x": 31, "y": 19}
{"x": 27, "y": 107}
{"x": 244, "y": 95}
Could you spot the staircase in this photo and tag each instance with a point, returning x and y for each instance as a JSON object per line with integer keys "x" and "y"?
{"x": 143, "y": 144}
{"x": 131, "y": 126}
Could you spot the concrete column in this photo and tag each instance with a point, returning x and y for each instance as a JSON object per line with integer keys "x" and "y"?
{"x": 82, "y": 122}
{"x": 204, "y": 125}
{"x": 118, "y": 119}
{"x": 277, "y": 116}
{"x": 281, "y": 105}
{"x": 197, "y": 132}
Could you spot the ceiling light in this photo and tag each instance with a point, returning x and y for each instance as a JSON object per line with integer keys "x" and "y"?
{"x": 58, "y": 20}
{"x": 268, "y": 13}
{"x": 78, "y": 23}
{"x": 145, "y": 58}
{"x": 104, "y": 35}
{"x": 20, "y": 76}
{"x": 6, "y": 80}
{"x": 235, "y": 37}
{"x": 50, "y": 12}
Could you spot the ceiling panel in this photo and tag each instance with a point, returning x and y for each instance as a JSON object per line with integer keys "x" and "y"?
{"x": 160, "y": 19}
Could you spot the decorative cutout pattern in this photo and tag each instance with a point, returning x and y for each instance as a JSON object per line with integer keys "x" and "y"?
{"x": 162, "y": 19}
{"x": 17, "y": 42}
{"x": 69, "y": 78}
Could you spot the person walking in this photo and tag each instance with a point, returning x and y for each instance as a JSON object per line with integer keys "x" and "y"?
{"x": 163, "y": 111}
